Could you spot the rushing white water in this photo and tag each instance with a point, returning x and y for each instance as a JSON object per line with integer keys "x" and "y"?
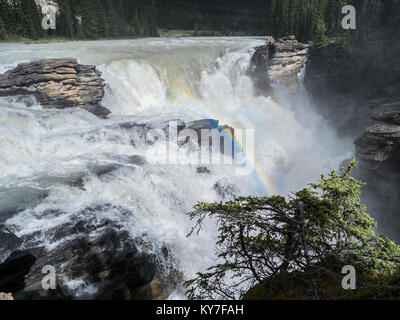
{"x": 44, "y": 152}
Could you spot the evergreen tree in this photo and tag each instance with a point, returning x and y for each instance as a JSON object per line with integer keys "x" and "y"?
{"x": 100, "y": 18}
{"x": 65, "y": 20}
{"x": 319, "y": 37}
{"x": 112, "y": 19}
{"x": 296, "y": 248}
{"x": 32, "y": 19}
{"x": 88, "y": 19}
{"x": 3, "y": 32}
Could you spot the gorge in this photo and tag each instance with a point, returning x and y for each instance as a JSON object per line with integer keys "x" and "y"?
{"x": 81, "y": 191}
{"x": 81, "y": 195}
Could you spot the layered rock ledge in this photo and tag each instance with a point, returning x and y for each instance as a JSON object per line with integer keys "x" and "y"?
{"x": 278, "y": 63}
{"x": 381, "y": 139}
{"x": 57, "y": 83}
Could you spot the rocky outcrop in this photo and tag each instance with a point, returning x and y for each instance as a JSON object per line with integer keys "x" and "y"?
{"x": 381, "y": 139}
{"x": 57, "y": 83}
{"x": 278, "y": 63}
{"x": 378, "y": 150}
{"x": 93, "y": 257}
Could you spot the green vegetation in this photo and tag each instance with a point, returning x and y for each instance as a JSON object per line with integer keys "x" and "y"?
{"x": 295, "y": 248}
{"x": 307, "y": 19}
{"x": 313, "y": 19}
{"x": 210, "y": 17}
{"x": 80, "y": 19}
{"x": 93, "y": 19}
{"x": 20, "y": 18}
{"x": 319, "y": 38}
{"x": 3, "y": 32}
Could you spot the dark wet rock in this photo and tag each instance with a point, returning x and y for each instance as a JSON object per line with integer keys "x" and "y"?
{"x": 278, "y": 63}
{"x": 197, "y": 127}
{"x": 140, "y": 130}
{"x": 225, "y": 190}
{"x": 95, "y": 258}
{"x": 205, "y": 129}
{"x": 370, "y": 149}
{"x": 203, "y": 170}
{"x": 387, "y": 112}
{"x": 381, "y": 138}
{"x": 132, "y": 124}
{"x": 57, "y": 83}
{"x": 9, "y": 242}
{"x": 14, "y": 270}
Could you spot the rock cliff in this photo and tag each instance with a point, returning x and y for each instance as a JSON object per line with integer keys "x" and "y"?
{"x": 278, "y": 63}
{"x": 359, "y": 93}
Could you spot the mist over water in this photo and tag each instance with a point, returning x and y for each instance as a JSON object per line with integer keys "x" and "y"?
{"x": 52, "y": 159}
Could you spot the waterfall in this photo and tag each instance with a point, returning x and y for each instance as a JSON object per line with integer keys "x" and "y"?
{"x": 69, "y": 160}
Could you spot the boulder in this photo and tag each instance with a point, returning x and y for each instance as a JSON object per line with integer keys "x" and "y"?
{"x": 57, "y": 83}
{"x": 225, "y": 190}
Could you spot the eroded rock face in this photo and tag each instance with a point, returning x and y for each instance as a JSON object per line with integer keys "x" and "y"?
{"x": 278, "y": 63}
{"x": 361, "y": 98}
{"x": 379, "y": 146}
{"x": 94, "y": 258}
{"x": 57, "y": 83}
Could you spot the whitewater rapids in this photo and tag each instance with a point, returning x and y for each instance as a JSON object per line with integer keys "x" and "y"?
{"x": 44, "y": 152}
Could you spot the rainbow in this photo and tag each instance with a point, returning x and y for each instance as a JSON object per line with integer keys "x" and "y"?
{"x": 260, "y": 173}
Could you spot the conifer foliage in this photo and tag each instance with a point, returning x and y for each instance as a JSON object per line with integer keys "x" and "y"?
{"x": 296, "y": 248}
{"x": 79, "y": 19}
{"x": 93, "y": 19}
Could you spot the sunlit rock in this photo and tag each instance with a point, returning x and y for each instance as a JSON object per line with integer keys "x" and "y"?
{"x": 57, "y": 83}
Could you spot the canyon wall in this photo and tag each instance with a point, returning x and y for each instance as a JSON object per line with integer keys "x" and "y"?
{"x": 357, "y": 89}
